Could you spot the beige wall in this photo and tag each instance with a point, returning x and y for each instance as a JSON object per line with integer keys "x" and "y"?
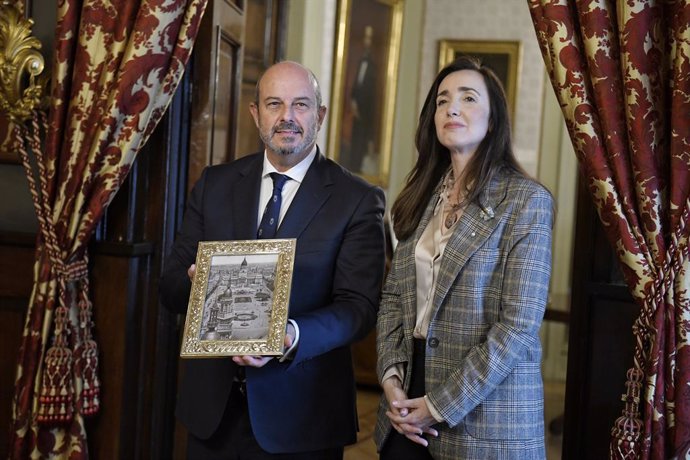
{"x": 558, "y": 172}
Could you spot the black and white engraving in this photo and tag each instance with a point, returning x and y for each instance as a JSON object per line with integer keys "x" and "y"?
{"x": 239, "y": 297}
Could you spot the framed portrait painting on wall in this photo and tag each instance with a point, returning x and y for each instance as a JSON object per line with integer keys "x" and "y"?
{"x": 367, "y": 51}
{"x": 503, "y": 57}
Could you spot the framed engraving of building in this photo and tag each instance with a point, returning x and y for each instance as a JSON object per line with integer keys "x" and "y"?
{"x": 239, "y": 299}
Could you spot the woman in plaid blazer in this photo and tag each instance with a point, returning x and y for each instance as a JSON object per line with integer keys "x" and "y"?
{"x": 459, "y": 356}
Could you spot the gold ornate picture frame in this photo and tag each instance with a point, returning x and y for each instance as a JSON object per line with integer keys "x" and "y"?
{"x": 367, "y": 52}
{"x": 503, "y": 57}
{"x": 239, "y": 300}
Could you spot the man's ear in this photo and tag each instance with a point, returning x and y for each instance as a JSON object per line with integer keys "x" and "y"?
{"x": 254, "y": 109}
{"x": 322, "y": 114}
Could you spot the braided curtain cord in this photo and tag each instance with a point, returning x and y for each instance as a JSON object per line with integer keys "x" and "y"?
{"x": 627, "y": 432}
{"x": 56, "y": 403}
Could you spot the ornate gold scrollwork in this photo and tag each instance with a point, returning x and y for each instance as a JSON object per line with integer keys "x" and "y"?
{"x": 19, "y": 56}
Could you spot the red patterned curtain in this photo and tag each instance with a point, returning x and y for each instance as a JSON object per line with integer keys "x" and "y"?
{"x": 117, "y": 64}
{"x": 621, "y": 72}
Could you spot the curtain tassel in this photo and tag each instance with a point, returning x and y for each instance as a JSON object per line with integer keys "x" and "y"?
{"x": 87, "y": 361}
{"x": 56, "y": 400}
{"x": 87, "y": 369}
{"x": 627, "y": 431}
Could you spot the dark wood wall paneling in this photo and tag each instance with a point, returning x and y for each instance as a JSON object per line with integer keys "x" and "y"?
{"x": 217, "y": 72}
{"x": 601, "y": 343}
{"x": 16, "y": 275}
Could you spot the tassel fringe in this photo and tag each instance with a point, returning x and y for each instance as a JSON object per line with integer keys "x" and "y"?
{"x": 56, "y": 399}
{"x": 626, "y": 433}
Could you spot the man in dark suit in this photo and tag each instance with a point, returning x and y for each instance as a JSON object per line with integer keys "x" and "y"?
{"x": 301, "y": 406}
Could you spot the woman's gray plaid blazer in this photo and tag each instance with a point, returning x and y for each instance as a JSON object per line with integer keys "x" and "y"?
{"x": 483, "y": 354}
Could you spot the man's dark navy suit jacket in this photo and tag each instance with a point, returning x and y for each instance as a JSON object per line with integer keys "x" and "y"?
{"x": 307, "y": 403}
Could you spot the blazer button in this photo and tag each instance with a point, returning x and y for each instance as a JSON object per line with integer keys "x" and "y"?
{"x": 433, "y": 342}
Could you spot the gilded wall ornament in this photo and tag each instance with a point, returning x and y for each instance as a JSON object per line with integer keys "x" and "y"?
{"x": 20, "y": 64}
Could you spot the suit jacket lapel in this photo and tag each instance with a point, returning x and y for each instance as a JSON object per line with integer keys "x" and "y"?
{"x": 476, "y": 225}
{"x": 245, "y": 200}
{"x": 311, "y": 195}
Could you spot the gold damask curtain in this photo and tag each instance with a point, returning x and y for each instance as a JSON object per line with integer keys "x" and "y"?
{"x": 116, "y": 66}
{"x": 621, "y": 72}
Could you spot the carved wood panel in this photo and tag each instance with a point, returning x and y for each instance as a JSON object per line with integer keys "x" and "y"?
{"x": 216, "y": 74}
{"x": 16, "y": 275}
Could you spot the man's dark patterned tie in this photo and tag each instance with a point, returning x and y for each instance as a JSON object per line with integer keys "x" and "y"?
{"x": 269, "y": 222}
{"x": 267, "y": 229}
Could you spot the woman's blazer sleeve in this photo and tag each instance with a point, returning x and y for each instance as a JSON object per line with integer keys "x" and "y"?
{"x": 390, "y": 346}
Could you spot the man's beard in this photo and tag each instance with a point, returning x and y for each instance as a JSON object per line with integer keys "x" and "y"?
{"x": 308, "y": 138}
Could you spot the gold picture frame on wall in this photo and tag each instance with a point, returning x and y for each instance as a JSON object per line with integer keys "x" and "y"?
{"x": 239, "y": 300}
{"x": 503, "y": 57}
{"x": 367, "y": 52}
